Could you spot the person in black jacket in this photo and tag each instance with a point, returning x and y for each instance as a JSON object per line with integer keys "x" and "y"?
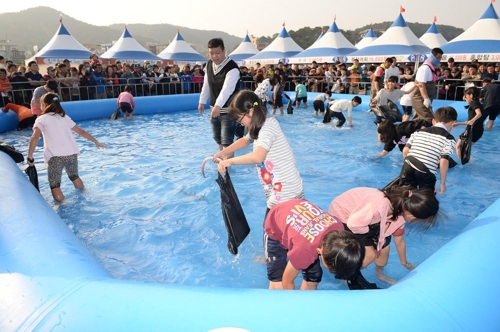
{"x": 454, "y": 85}
{"x": 392, "y": 135}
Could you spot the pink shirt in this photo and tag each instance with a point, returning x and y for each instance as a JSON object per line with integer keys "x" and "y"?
{"x": 300, "y": 226}
{"x": 360, "y": 207}
{"x": 58, "y": 140}
{"x": 126, "y": 97}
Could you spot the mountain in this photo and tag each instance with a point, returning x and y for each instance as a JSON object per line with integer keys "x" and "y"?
{"x": 36, "y": 26}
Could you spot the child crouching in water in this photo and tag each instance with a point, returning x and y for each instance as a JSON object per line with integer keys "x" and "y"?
{"x": 296, "y": 233}
{"x": 426, "y": 150}
{"x": 126, "y": 102}
{"x": 59, "y": 146}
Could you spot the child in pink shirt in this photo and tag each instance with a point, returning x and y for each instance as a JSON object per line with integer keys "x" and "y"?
{"x": 59, "y": 145}
{"x": 126, "y": 102}
{"x": 374, "y": 215}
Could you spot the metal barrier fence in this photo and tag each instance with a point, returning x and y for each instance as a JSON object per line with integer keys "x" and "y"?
{"x": 22, "y": 92}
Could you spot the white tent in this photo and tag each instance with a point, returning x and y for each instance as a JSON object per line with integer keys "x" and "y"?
{"x": 367, "y": 39}
{"x": 244, "y": 51}
{"x": 180, "y": 51}
{"x": 481, "y": 41}
{"x": 281, "y": 49}
{"x": 62, "y": 46}
{"x": 398, "y": 41}
{"x": 332, "y": 46}
{"x": 432, "y": 37}
{"x": 128, "y": 49}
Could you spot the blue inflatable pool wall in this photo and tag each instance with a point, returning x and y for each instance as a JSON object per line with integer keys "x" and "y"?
{"x": 50, "y": 282}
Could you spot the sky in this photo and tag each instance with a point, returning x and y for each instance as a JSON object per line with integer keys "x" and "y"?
{"x": 261, "y": 17}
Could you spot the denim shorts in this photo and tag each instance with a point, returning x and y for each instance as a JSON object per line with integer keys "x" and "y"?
{"x": 223, "y": 129}
{"x": 276, "y": 260}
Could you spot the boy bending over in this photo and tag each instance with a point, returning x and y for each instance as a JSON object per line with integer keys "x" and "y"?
{"x": 427, "y": 149}
{"x": 300, "y": 231}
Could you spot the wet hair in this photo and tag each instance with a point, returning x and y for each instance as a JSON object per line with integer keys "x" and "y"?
{"x": 342, "y": 253}
{"x": 241, "y": 104}
{"x": 446, "y": 114}
{"x": 216, "y": 42}
{"x": 421, "y": 203}
{"x": 357, "y": 99}
{"x": 52, "y": 104}
{"x": 128, "y": 89}
{"x": 387, "y": 131}
{"x": 472, "y": 91}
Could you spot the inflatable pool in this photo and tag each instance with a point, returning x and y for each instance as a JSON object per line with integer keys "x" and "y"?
{"x": 50, "y": 281}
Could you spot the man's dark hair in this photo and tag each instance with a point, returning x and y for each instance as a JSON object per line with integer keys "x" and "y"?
{"x": 216, "y": 42}
{"x": 435, "y": 51}
{"x": 389, "y": 60}
{"x": 31, "y": 62}
{"x": 487, "y": 80}
{"x": 490, "y": 65}
{"x": 11, "y": 65}
{"x": 451, "y": 60}
{"x": 1, "y": 57}
{"x": 357, "y": 99}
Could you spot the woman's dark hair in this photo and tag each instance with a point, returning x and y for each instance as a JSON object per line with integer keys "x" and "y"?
{"x": 52, "y": 104}
{"x": 259, "y": 79}
{"x": 342, "y": 253}
{"x": 387, "y": 131}
{"x": 421, "y": 203}
{"x": 241, "y": 104}
{"x": 80, "y": 67}
{"x": 128, "y": 89}
{"x": 472, "y": 91}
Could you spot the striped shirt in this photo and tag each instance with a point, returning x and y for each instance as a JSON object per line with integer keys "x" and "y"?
{"x": 278, "y": 173}
{"x": 430, "y": 145}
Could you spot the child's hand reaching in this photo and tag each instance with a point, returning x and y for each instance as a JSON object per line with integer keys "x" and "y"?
{"x": 99, "y": 145}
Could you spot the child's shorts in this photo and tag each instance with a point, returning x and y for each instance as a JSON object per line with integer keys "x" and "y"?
{"x": 319, "y": 106}
{"x": 276, "y": 261}
{"x": 55, "y": 167}
{"x": 301, "y": 99}
{"x": 126, "y": 108}
{"x": 408, "y": 110}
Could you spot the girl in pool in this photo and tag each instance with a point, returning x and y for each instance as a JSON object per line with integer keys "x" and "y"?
{"x": 60, "y": 149}
{"x": 126, "y": 102}
{"x": 374, "y": 215}
{"x": 474, "y": 117}
{"x": 271, "y": 152}
{"x": 392, "y": 135}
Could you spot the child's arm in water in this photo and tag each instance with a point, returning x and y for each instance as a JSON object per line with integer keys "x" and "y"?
{"x": 443, "y": 171}
{"x": 86, "y": 135}
{"x": 289, "y": 276}
{"x": 400, "y": 243}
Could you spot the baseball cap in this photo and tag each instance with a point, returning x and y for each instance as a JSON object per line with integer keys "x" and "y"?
{"x": 50, "y": 68}
{"x": 497, "y": 64}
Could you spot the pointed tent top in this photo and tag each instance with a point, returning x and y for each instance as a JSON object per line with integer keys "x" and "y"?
{"x": 490, "y": 13}
{"x": 334, "y": 28}
{"x": 370, "y": 34}
{"x": 433, "y": 29}
{"x": 62, "y": 30}
{"x": 247, "y": 39}
{"x": 399, "y": 22}
{"x": 178, "y": 36}
{"x": 126, "y": 34}
{"x": 284, "y": 33}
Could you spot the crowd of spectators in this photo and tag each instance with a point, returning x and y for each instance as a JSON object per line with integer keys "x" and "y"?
{"x": 93, "y": 80}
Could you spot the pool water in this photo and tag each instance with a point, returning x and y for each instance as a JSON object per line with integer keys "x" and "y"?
{"x": 148, "y": 214}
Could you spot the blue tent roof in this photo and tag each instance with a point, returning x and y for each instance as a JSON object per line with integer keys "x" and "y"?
{"x": 399, "y": 22}
{"x": 433, "y": 29}
{"x": 370, "y": 34}
{"x": 62, "y": 30}
{"x": 489, "y": 13}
